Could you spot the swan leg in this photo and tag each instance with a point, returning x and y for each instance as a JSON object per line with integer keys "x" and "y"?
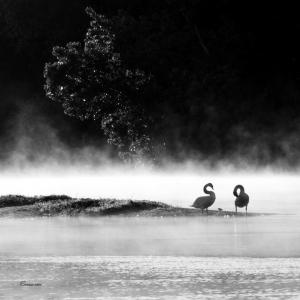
{"x": 207, "y": 211}
{"x": 246, "y": 209}
{"x": 235, "y": 209}
{"x": 202, "y": 210}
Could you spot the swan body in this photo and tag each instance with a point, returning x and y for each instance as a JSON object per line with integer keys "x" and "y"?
{"x": 242, "y": 199}
{"x": 205, "y": 201}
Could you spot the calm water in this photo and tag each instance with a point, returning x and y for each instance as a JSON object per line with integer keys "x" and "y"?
{"x": 173, "y": 258}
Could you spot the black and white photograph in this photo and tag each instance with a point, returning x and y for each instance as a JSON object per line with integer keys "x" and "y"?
{"x": 149, "y": 149}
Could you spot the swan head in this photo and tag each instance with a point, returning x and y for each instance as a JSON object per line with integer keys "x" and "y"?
{"x": 206, "y": 186}
{"x": 238, "y": 187}
{"x": 210, "y": 185}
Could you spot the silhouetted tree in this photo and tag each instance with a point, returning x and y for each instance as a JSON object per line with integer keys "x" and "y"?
{"x": 91, "y": 82}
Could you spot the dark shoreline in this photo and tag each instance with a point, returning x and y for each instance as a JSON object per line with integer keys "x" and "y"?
{"x": 62, "y": 205}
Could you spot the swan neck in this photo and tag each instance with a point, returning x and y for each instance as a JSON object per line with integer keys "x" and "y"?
{"x": 211, "y": 193}
{"x": 205, "y": 189}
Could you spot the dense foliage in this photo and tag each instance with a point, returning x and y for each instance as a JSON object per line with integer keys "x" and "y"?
{"x": 91, "y": 82}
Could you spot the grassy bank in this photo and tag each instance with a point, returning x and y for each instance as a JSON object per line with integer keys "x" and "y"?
{"x": 53, "y": 205}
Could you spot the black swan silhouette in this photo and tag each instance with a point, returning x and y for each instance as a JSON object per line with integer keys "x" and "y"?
{"x": 242, "y": 199}
{"x": 205, "y": 201}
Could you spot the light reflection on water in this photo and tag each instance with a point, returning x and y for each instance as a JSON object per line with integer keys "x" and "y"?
{"x": 150, "y": 258}
{"x": 126, "y": 277}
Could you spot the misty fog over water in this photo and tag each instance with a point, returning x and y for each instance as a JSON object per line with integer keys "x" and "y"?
{"x": 153, "y": 258}
{"x": 150, "y": 258}
{"x": 267, "y": 236}
{"x": 149, "y": 100}
{"x": 269, "y": 190}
